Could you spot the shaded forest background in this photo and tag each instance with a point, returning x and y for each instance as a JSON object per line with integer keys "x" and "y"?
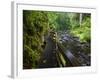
{"x": 37, "y": 24}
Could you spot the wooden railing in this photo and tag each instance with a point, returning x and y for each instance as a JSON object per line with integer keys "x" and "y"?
{"x": 65, "y": 57}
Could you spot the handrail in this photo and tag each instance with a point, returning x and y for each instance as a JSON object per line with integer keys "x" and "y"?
{"x": 67, "y": 56}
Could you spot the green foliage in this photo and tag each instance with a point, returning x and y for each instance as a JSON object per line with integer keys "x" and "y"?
{"x": 74, "y": 20}
{"x": 83, "y": 32}
{"x": 36, "y": 25}
{"x": 30, "y": 58}
{"x": 59, "y": 20}
{"x": 63, "y": 21}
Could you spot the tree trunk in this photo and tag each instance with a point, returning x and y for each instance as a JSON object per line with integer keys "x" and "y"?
{"x": 80, "y": 19}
